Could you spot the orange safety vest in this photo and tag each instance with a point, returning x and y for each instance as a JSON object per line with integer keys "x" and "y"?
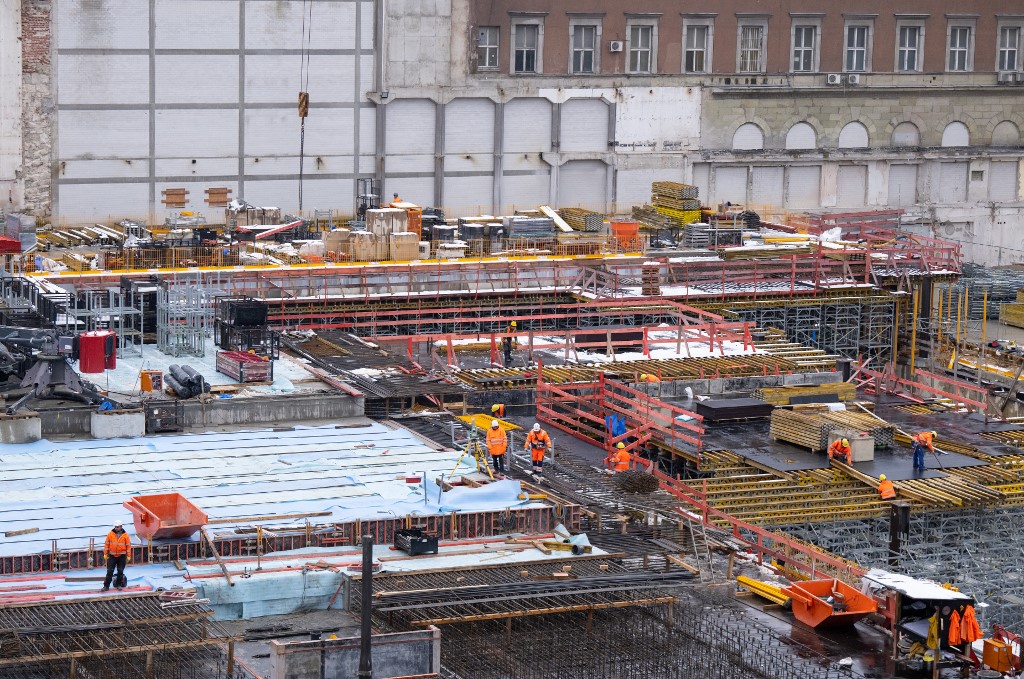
{"x": 497, "y": 441}
{"x": 500, "y": 412}
{"x": 622, "y": 459}
{"x": 537, "y": 442}
{"x": 837, "y": 449}
{"x": 116, "y": 545}
{"x": 887, "y": 490}
{"x": 925, "y": 439}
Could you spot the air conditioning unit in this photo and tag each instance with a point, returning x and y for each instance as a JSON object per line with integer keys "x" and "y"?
{"x": 616, "y": 46}
{"x": 834, "y": 79}
{"x": 1008, "y": 78}
{"x": 853, "y": 78}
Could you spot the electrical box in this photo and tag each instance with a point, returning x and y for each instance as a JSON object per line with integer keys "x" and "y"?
{"x": 997, "y": 656}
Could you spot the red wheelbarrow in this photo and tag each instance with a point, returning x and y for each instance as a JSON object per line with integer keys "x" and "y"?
{"x": 169, "y": 515}
{"x": 828, "y": 603}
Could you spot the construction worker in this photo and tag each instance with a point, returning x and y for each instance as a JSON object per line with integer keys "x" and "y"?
{"x": 506, "y": 343}
{"x": 538, "y": 442}
{"x": 497, "y": 444}
{"x": 117, "y": 552}
{"x": 841, "y": 448}
{"x": 498, "y": 410}
{"x": 645, "y": 377}
{"x": 885, "y": 488}
{"x": 925, "y": 439}
{"x": 621, "y": 458}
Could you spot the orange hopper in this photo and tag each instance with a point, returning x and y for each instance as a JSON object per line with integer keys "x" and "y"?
{"x": 169, "y": 515}
{"x": 810, "y": 607}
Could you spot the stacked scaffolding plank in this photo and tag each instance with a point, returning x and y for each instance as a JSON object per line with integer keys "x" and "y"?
{"x": 882, "y": 432}
{"x": 677, "y": 201}
{"x": 781, "y": 396}
{"x": 582, "y": 220}
{"x": 802, "y": 429}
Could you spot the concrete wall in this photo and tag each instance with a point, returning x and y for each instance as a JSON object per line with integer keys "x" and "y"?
{"x": 399, "y": 654}
{"x": 10, "y": 111}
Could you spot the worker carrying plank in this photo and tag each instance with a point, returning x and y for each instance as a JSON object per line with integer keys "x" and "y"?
{"x": 885, "y": 488}
{"x": 925, "y": 439}
{"x": 538, "y": 442}
{"x": 117, "y": 552}
{"x": 840, "y": 448}
{"x": 620, "y": 458}
{"x": 498, "y": 410}
{"x": 497, "y": 444}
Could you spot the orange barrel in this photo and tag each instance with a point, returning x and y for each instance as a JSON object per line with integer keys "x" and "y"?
{"x": 626, "y": 234}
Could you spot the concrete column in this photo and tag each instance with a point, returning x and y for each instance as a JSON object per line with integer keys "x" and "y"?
{"x": 499, "y": 153}
{"x": 439, "y": 153}
{"x": 10, "y": 103}
{"x": 25, "y": 427}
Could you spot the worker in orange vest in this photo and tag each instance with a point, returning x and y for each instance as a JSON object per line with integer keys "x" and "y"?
{"x": 621, "y": 458}
{"x": 538, "y": 442}
{"x": 841, "y": 448}
{"x": 885, "y": 488}
{"x": 498, "y": 410}
{"x": 497, "y": 444}
{"x": 925, "y": 439}
{"x": 649, "y": 378}
{"x": 507, "y": 343}
{"x": 117, "y": 552}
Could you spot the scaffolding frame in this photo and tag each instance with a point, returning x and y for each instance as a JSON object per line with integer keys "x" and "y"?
{"x": 185, "y": 313}
{"x": 105, "y": 309}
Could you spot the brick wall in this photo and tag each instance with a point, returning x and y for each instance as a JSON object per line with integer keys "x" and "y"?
{"x": 37, "y": 107}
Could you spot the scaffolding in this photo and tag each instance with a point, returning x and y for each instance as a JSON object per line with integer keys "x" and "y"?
{"x": 185, "y": 312}
{"x": 105, "y": 309}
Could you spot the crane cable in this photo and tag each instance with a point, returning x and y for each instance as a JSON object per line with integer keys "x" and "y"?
{"x": 307, "y": 33}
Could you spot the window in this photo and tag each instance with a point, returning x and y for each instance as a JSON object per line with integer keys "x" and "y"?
{"x": 959, "y": 49}
{"x": 487, "y": 47}
{"x": 908, "y": 57}
{"x": 804, "y": 38}
{"x": 858, "y": 46}
{"x": 751, "y": 48}
{"x": 584, "y": 49}
{"x": 697, "y": 47}
{"x": 527, "y": 47}
{"x": 641, "y": 48}
{"x": 1009, "y": 42}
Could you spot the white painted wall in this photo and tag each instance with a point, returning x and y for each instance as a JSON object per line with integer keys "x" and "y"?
{"x": 10, "y": 104}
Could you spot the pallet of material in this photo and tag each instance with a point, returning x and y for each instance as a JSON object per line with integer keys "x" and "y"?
{"x": 675, "y": 190}
{"x": 244, "y": 367}
{"x": 781, "y": 396}
{"x": 650, "y": 218}
{"x": 1012, "y": 313}
{"x": 794, "y": 427}
{"x": 883, "y": 433}
{"x": 582, "y": 220}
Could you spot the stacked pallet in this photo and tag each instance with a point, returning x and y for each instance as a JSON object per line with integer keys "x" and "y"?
{"x": 650, "y": 218}
{"x": 677, "y": 201}
{"x": 650, "y": 280}
{"x": 781, "y": 396}
{"x": 582, "y": 220}
{"x": 1012, "y": 313}
{"x": 794, "y": 427}
{"x": 674, "y": 190}
{"x": 701, "y": 235}
{"x": 537, "y": 228}
{"x": 883, "y": 432}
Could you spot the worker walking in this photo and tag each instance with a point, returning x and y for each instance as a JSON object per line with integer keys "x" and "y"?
{"x": 117, "y": 552}
{"x": 885, "y": 488}
{"x": 621, "y": 458}
{"x": 497, "y": 444}
{"x": 538, "y": 443}
{"x": 498, "y": 410}
{"x": 506, "y": 343}
{"x": 840, "y": 448}
{"x": 925, "y": 439}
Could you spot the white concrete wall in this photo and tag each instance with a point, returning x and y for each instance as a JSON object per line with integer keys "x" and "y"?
{"x": 10, "y": 105}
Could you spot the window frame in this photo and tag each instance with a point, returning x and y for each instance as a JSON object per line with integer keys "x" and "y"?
{"x": 585, "y": 21}
{"x": 971, "y": 28}
{"x": 805, "y": 21}
{"x": 918, "y": 48}
{"x": 1009, "y": 24}
{"x": 642, "y": 22}
{"x": 707, "y": 22}
{"x": 521, "y": 22}
{"x": 868, "y": 24}
{"x": 742, "y": 23}
{"x": 496, "y": 47}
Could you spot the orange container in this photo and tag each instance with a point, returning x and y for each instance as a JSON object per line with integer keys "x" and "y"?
{"x": 627, "y": 234}
{"x": 169, "y": 515}
{"x": 810, "y": 607}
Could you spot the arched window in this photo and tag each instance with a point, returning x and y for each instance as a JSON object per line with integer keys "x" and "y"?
{"x": 748, "y": 137}
{"x": 1006, "y": 134}
{"x": 956, "y": 134}
{"x": 853, "y": 136}
{"x": 906, "y": 134}
{"x": 801, "y": 136}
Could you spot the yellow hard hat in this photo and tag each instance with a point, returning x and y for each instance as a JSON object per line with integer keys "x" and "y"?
{"x": 620, "y": 444}
{"x": 881, "y": 477}
{"x": 846, "y": 442}
{"x": 643, "y": 376}
{"x": 935, "y": 433}
{"x": 513, "y": 324}
{"x": 495, "y": 408}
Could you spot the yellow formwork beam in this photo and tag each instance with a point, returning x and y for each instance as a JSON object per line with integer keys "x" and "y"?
{"x": 763, "y": 590}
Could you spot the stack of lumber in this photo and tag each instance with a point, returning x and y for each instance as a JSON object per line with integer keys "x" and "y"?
{"x": 650, "y": 218}
{"x": 1012, "y": 313}
{"x": 674, "y": 190}
{"x": 883, "y": 432}
{"x": 781, "y": 396}
{"x": 582, "y": 220}
{"x": 675, "y": 200}
{"x": 794, "y": 427}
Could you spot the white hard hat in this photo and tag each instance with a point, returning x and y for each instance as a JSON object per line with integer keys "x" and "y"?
{"x": 494, "y": 424}
{"x": 536, "y": 426}
{"x": 117, "y": 524}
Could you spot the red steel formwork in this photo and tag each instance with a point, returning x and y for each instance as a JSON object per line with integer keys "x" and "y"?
{"x": 463, "y": 525}
{"x": 581, "y": 409}
{"x": 877, "y": 382}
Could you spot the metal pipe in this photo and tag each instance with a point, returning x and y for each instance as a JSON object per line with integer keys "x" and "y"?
{"x": 366, "y": 611}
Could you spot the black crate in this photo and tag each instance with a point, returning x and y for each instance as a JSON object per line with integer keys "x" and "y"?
{"x": 414, "y": 541}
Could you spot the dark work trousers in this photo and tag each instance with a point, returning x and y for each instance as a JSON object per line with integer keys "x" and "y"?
{"x": 506, "y": 347}
{"x": 499, "y": 462}
{"x": 118, "y": 562}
